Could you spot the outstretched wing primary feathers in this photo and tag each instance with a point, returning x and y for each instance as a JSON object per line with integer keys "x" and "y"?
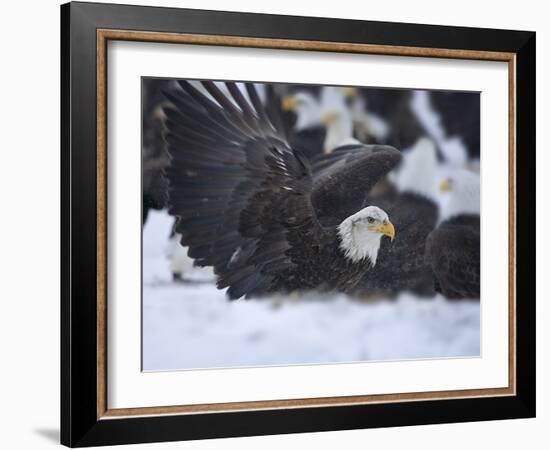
{"x": 231, "y": 177}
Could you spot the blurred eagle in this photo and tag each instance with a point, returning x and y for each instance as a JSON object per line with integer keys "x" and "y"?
{"x": 453, "y": 248}
{"x": 249, "y": 205}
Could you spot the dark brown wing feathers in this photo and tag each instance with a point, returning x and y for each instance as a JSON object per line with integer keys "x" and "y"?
{"x": 231, "y": 178}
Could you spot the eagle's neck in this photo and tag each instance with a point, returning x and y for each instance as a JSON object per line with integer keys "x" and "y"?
{"x": 357, "y": 243}
{"x": 308, "y": 114}
{"x": 416, "y": 174}
{"x": 338, "y": 132}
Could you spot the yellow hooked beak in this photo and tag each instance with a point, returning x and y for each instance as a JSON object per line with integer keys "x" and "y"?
{"x": 446, "y": 185}
{"x": 386, "y": 229}
{"x": 350, "y": 91}
{"x": 329, "y": 117}
{"x": 289, "y": 103}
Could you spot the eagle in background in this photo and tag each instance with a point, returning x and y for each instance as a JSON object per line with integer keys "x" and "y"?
{"x": 453, "y": 248}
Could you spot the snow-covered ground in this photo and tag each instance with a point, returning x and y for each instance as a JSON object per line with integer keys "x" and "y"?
{"x": 193, "y": 325}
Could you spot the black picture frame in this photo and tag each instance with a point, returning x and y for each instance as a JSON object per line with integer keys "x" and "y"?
{"x": 80, "y": 425}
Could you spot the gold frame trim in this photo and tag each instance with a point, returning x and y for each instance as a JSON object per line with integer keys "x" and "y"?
{"x": 103, "y": 36}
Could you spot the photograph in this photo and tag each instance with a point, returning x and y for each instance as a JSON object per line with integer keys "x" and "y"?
{"x": 289, "y": 222}
{"x": 295, "y": 224}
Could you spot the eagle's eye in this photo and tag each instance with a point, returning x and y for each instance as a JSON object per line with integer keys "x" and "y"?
{"x": 370, "y": 219}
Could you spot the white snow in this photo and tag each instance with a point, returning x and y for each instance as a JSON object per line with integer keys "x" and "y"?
{"x": 193, "y": 325}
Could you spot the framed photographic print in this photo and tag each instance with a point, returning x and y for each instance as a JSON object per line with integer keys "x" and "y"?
{"x": 276, "y": 224}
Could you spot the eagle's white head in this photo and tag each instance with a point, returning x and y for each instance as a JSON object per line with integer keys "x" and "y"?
{"x": 306, "y": 107}
{"x": 329, "y": 111}
{"x": 464, "y": 194}
{"x": 336, "y": 117}
{"x": 417, "y": 171}
{"x": 360, "y": 233}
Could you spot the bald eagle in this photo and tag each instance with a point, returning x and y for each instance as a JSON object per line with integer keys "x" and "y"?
{"x": 453, "y": 247}
{"x": 329, "y": 113}
{"x": 248, "y": 204}
{"x": 297, "y": 110}
{"x": 368, "y": 127}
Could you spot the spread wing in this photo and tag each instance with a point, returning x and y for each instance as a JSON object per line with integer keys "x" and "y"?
{"x": 453, "y": 250}
{"x": 241, "y": 193}
{"x": 343, "y": 179}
